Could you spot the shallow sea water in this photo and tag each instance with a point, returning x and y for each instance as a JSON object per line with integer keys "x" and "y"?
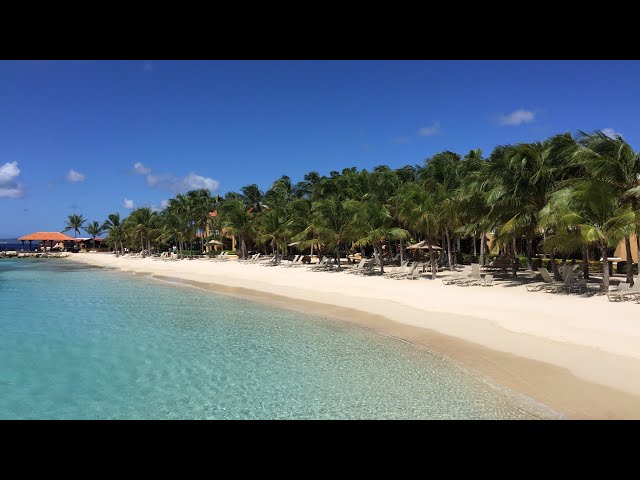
{"x": 85, "y": 343}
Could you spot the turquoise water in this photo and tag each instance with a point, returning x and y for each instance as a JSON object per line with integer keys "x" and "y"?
{"x": 85, "y": 343}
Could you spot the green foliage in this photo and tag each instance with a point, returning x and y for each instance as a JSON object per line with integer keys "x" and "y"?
{"x": 571, "y": 193}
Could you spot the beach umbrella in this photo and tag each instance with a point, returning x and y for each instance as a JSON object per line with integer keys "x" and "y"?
{"x": 215, "y": 242}
{"x": 423, "y": 245}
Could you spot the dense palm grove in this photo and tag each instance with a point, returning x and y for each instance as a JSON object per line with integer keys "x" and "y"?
{"x": 565, "y": 196}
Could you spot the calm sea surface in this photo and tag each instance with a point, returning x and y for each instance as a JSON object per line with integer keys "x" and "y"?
{"x": 85, "y": 343}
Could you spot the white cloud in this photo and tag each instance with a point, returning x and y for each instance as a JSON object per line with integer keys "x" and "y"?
{"x": 611, "y": 133}
{"x": 181, "y": 184}
{"x": 138, "y": 167}
{"x": 9, "y": 185}
{"x": 431, "y": 130}
{"x": 128, "y": 204}
{"x": 159, "y": 180}
{"x": 73, "y": 176}
{"x": 164, "y": 203}
{"x": 518, "y": 117}
{"x": 194, "y": 182}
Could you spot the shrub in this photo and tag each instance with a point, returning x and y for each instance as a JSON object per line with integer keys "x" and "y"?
{"x": 467, "y": 259}
{"x": 621, "y": 267}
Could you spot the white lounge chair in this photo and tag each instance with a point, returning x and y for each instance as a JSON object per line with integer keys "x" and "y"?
{"x": 408, "y": 274}
{"x": 556, "y": 287}
{"x": 358, "y": 267}
{"x": 457, "y": 276}
{"x": 623, "y": 292}
{"x": 400, "y": 270}
{"x": 475, "y": 276}
{"x": 487, "y": 281}
{"x": 546, "y": 278}
{"x": 296, "y": 261}
{"x": 320, "y": 265}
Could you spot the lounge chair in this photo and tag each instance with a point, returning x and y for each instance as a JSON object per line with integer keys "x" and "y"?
{"x": 399, "y": 271}
{"x": 369, "y": 268}
{"x": 624, "y": 292}
{"x": 274, "y": 261}
{"x": 546, "y": 278}
{"x": 296, "y": 261}
{"x": 487, "y": 281}
{"x": 219, "y": 257}
{"x": 358, "y": 267}
{"x": 320, "y": 265}
{"x": 415, "y": 272}
{"x": 634, "y": 291}
{"x": 457, "y": 276}
{"x": 475, "y": 277}
{"x": 556, "y": 287}
{"x": 407, "y": 274}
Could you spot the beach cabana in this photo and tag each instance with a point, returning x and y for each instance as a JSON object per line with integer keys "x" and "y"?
{"x": 423, "y": 245}
{"x": 50, "y": 237}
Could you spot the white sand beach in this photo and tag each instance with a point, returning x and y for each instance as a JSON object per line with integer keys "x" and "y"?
{"x": 578, "y": 354}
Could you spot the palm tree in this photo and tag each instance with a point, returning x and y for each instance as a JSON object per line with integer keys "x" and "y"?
{"x": 239, "y": 221}
{"x": 94, "y": 229}
{"x": 185, "y": 214}
{"x": 441, "y": 176}
{"x": 201, "y": 205}
{"x": 75, "y": 222}
{"x": 113, "y": 225}
{"x": 614, "y": 161}
{"x": 589, "y": 212}
{"x": 418, "y": 210}
{"x": 273, "y": 226}
{"x": 253, "y": 197}
{"x": 332, "y": 220}
{"x": 140, "y": 224}
{"x": 372, "y": 225}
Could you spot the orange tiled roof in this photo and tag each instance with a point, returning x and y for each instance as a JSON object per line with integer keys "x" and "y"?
{"x": 55, "y": 236}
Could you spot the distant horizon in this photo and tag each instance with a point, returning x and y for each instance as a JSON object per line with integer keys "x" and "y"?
{"x": 97, "y": 137}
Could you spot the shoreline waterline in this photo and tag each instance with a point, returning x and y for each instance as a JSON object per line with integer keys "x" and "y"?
{"x": 549, "y": 384}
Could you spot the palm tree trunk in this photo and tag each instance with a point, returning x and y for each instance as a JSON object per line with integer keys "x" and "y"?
{"x": 381, "y": 258}
{"x": 401, "y": 251}
{"x": 451, "y": 267}
{"x": 338, "y": 255}
{"x": 605, "y": 270}
{"x": 473, "y": 240}
{"x": 585, "y": 262}
{"x": 481, "y": 248}
{"x": 627, "y": 244}
{"x": 243, "y": 248}
{"x": 554, "y": 266}
{"x": 142, "y": 244}
{"x": 529, "y": 253}
{"x": 432, "y": 260}
{"x": 514, "y": 254}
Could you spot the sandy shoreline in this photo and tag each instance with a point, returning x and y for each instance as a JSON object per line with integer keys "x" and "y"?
{"x": 578, "y": 355}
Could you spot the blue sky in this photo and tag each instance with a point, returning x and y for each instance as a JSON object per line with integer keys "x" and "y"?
{"x": 96, "y": 137}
